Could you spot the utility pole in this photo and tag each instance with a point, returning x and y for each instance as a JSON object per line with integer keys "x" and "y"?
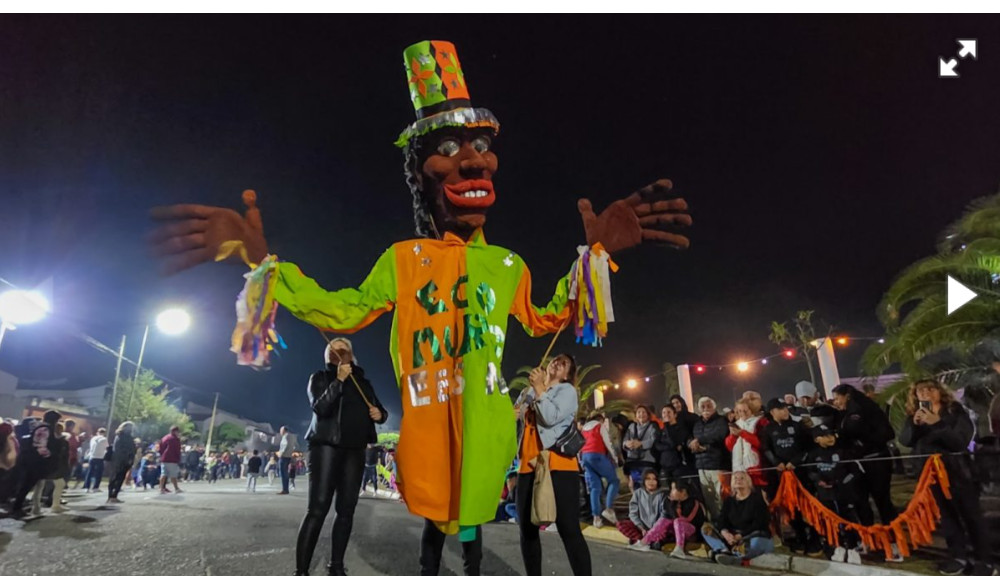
{"x": 211, "y": 426}
{"x": 114, "y": 388}
{"x": 138, "y": 367}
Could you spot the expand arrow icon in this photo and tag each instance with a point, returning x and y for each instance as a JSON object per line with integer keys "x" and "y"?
{"x": 958, "y": 295}
{"x": 946, "y": 69}
{"x": 968, "y": 48}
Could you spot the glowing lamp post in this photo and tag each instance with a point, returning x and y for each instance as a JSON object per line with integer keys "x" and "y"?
{"x": 171, "y": 322}
{"x": 19, "y": 307}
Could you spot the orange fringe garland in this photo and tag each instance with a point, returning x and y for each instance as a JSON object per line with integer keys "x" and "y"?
{"x": 920, "y": 517}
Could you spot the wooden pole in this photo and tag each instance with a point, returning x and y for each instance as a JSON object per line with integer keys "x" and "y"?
{"x": 114, "y": 387}
{"x": 211, "y": 426}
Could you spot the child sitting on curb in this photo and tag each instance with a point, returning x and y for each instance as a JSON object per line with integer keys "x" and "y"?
{"x": 643, "y": 513}
{"x": 682, "y": 517}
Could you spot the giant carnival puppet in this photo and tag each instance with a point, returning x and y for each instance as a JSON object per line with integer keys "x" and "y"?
{"x": 451, "y": 293}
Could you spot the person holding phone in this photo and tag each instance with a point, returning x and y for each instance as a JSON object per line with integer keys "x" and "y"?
{"x": 548, "y": 410}
{"x": 938, "y": 424}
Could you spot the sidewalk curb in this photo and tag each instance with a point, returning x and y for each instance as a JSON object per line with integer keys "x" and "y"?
{"x": 775, "y": 562}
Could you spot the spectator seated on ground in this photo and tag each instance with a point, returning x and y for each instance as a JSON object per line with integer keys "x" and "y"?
{"x": 506, "y": 509}
{"x": 742, "y": 531}
{"x": 682, "y": 517}
{"x": 644, "y": 511}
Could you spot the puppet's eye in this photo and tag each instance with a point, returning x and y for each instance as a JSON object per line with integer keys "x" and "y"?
{"x": 481, "y": 144}
{"x": 448, "y": 147}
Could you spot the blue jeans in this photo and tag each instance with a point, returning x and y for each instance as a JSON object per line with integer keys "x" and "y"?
{"x": 94, "y": 473}
{"x": 283, "y": 464}
{"x": 511, "y": 510}
{"x": 755, "y": 547}
{"x": 370, "y": 475}
{"x": 595, "y": 467}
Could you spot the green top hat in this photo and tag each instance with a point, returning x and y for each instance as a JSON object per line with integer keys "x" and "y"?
{"x": 439, "y": 93}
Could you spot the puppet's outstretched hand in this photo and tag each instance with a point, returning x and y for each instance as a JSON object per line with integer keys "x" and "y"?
{"x": 190, "y": 234}
{"x": 651, "y": 214}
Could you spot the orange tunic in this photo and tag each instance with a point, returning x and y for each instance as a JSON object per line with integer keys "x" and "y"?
{"x": 531, "y": 447}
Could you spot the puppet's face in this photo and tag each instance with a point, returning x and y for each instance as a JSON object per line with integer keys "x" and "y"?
{"x": 457, "y": 178}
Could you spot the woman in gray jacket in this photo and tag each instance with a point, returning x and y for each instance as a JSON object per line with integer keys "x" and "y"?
{"x": 638, "y": 445}
{"x": 548, "y": 409}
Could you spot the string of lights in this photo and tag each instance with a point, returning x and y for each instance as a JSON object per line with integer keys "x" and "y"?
{"x": 742, "y": 365}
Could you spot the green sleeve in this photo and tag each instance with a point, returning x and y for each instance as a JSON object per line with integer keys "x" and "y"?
{"x": 345, "y": 310}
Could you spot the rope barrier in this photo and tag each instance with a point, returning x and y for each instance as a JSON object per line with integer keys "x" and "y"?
{"x": 856, "y": 460}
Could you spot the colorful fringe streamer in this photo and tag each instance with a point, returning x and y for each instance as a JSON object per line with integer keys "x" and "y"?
{"x": 254, "y": 336}
{"x": 920, "y": 517}
{"x": 590, "y": 286}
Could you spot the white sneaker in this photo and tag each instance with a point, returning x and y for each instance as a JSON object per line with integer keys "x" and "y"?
{"x": 853, "y": 557}
{"x": 552, "y": 528}
{"x": 679, "y": 553}
{"x": 609, "y": 515}
{"x": 839, "y": 554}
{"x": 639, "y": 547}
{"x": 896, "y": 556}
{"x": 598, "y": 523}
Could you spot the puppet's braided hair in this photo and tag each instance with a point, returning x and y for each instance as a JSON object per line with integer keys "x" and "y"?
{"x": 411, "y": 167}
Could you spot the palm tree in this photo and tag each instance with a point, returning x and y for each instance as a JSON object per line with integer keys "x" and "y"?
{"x": 799, "y": 338}
{"x": 920, "y": 336}
{"x": 586, "y": 390}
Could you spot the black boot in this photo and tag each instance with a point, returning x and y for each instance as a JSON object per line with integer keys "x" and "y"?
{"x": 301, "y": 573}
{"x": 336, "y": 569}
{"x": 472, "y": 554}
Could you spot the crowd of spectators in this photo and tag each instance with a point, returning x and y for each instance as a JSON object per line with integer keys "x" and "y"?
{"x": 707, "y": 476}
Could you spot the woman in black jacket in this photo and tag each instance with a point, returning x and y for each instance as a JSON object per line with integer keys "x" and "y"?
{"x": 345, "y": 411}
{"x": 122, "y": 456}
{"x": 864, "y": 432}
{"x": 676, "y": 459}
{"x": 937, "y": 424}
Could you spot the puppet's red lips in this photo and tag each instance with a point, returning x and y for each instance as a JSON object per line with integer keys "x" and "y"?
{"x": 470, "y": 194}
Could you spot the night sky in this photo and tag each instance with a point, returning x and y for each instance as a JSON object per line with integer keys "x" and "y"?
{"x": 819, "y": 155}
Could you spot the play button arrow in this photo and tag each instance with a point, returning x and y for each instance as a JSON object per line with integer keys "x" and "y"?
{"x": 958, "y": 295}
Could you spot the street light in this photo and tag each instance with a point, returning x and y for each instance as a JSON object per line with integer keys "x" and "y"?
{"x": 19, "y": 307}
{"x": 172, "y": 321}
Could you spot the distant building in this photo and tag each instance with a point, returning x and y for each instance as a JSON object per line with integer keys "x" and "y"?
{"x": 21, "y": 399}
{"x": 259, "y": 435}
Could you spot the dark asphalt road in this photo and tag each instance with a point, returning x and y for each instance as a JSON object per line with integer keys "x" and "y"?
{"x": 220, "y": 530}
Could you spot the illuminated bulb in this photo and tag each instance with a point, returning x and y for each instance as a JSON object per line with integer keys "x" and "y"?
{"x": 173, "y": 321}
{"x": 742, "y": 366}
{"x": 631, "y": 383}
{"x": 764, "y": 361}
{"x": 616, "y": 386}
{"x": 647, "y": 378}
{"x": 881, "y": 340}
{"x": 842, "y": 341}
{"x": 789, "y": 353}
